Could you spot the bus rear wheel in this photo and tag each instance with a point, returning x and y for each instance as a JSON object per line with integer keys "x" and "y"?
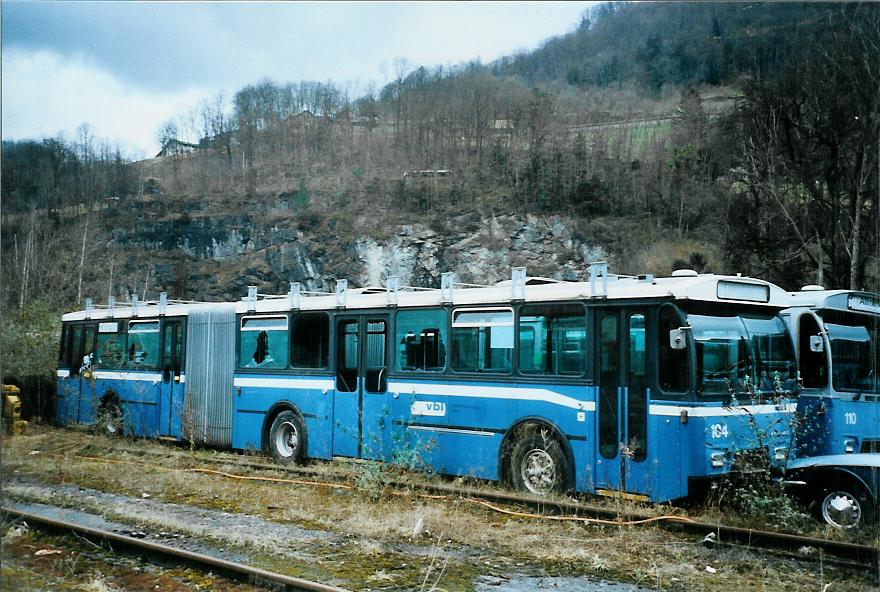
{"x": 538, "y": 465}
{"x": 287, "y": 438}
{"x": 108, "y": 419}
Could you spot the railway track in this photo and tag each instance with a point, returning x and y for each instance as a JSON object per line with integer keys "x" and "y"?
{"x": 114, "y": 541}
{"x": 842, "y": 552}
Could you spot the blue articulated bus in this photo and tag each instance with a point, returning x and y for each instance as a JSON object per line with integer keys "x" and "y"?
{"x": 837, "y": 339}
{"x": 621, "y": 386}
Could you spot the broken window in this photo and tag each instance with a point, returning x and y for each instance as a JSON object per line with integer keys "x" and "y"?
{"x": 263, "y": 342}
{"x": 143, "y": 344}
{"x": 111, "y": 346}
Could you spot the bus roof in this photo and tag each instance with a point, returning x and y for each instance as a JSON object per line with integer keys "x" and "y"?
{"x": 844, "y": 300}
{"x": 691, "y": 286}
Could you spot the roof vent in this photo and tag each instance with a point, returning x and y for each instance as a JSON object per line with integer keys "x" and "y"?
{"x": 447, "y": 281}
{"x": 294, "y": 297}
{"x": 812, "y": 288}
{"x": 341, "y": 287}
{"x": 598, "y": 279}
{"x": 684, "y": 273}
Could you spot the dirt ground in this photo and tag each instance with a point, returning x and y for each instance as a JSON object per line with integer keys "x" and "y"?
{"x": 341, "y": 524}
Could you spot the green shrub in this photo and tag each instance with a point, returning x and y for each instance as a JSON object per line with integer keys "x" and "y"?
{"x": 29, "y": 341}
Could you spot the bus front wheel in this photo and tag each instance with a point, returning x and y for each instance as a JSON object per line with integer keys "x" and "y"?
{"x": 845, "y": 507}
{"x": 287, "y": 438}
{"x": 538, "y": 464}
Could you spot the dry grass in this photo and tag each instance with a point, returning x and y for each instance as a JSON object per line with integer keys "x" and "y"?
{"x": 380, "y": 533}
{"x": 76, "y": 566}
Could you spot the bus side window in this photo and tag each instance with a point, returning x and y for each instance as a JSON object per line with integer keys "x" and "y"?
{"x": 89, "y": 345}
{"x": 609, "y": 378}
{"x": 143, "y": 344}
{"x": 172, "y": 349}
{"x": 812, "y": 365}
{"x": 552, "y": 339}
{"x": 482, "y": 340}
{"x": 421, "y": 340}
{"x": 637, "y": 403}
{"x": 111, "y": 346}
{"x": 673, "y": 372}
{"x": 62, "y": 348}
{"x": 74, "y": 348}
{"x": 263, "y": 342}
{"x": 375, "y": 365}
{"x": 310, "y": 340}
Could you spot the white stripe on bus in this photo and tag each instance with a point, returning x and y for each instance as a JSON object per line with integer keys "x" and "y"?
{"x": 145, "y": 377}
{"x": 106, "y": 375}
{"x": 676, "y": 410}
{"x": 482, "y": 392}
{"x": 492, "y": 392}
{"x": 285, "y": 383}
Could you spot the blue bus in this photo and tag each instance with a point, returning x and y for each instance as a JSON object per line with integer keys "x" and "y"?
{"x": 837, "y": 340}
{"x": 638, "y": 387}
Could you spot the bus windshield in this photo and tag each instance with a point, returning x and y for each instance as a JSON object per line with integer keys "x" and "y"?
{"x": 854, "y": 355}
{"x": 742, "y": 355}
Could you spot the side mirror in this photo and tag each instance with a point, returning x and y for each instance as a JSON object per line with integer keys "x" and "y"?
{"x": 678, "y": 338}
{"x": 817, "y": 344}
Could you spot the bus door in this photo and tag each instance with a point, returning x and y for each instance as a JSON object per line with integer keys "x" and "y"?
{"x": 77, "y": 388}
{"x": 67, "y": 393}
{"x": 83, "y": 363}
{"x": 622, "y": 412}
{"x": 171, "y": 389}
{"x": 360, "y": 401}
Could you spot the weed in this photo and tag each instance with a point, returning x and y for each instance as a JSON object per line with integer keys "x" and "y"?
{"x": 756, "y": 495}
{"x": 405, "y": 451}
{"x": 99, "y": 584}
{"x": 434, "y": 573}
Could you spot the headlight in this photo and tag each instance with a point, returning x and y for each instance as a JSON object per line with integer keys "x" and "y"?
{"x": 780, "y": 453}
{"x": 849, "y": 445}
{"x": 718, "y": 459}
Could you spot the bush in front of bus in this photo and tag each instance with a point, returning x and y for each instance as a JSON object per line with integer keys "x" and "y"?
{"x": 406, "y": 453}
{"x": 756, "y": 495}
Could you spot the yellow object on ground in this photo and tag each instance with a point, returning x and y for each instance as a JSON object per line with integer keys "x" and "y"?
{"x": 12, "y": 411}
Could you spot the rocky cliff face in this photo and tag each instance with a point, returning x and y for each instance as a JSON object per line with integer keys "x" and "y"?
{"x": 222, "y": 254}
{"x": 418, "y": 255}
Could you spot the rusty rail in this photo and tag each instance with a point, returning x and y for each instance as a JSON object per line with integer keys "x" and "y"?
{"x": 232, "y": 569}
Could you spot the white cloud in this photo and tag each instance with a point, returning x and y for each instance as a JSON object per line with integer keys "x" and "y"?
{"x": 137, "y": 64}
{"x": 45, "y": 93}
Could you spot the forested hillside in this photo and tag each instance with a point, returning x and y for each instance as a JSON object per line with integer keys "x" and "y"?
{"x": 655, "y": 44}
{"x": 724, "y": 137}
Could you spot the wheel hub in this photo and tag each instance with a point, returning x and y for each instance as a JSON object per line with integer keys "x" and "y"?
{"x": 286, "y": 439}
{"x": 841, "y": 509}
{"x": 538, "y": 471}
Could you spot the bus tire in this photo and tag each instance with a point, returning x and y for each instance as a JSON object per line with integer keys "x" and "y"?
{"x": 845, "y": 506}
{"x": 538, "y": 465}
{"x": 108, "y": 419}
{"x": 287, "y": 438}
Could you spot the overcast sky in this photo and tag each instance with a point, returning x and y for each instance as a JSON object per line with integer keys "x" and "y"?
{"x": 125, "y": 68}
